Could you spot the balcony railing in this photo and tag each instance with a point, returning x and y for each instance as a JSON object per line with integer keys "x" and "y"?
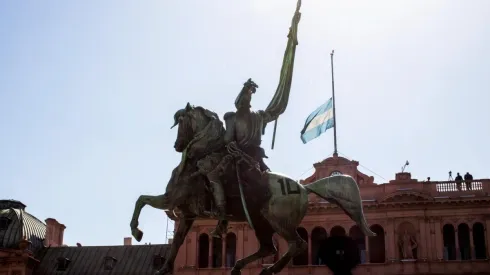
{"x": 453, "y": 186}
{"x": 436, "y": 189}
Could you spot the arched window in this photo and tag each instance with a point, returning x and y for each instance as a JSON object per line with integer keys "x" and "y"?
{"x": 464, "y": 242}
{"x": 479, "y": 241}
{"x": 217, "y": 252}
{"x": 302, "y": 259}
{"x": 356, "y": 234}
{"x": 337, "y": 231}
{"x": 203, "y": 255}
{"x": 377, "y": 245}
{"x": 318, "y": 235}
{"x": 230, "y": 249}
{"x": 449, "y": 242}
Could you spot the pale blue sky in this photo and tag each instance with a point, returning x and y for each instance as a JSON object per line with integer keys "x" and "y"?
{"x": 88, "y": 90}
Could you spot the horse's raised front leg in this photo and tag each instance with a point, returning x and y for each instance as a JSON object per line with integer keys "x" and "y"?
{"x": 179, "y": 237}
{"x": 159, "y": 202}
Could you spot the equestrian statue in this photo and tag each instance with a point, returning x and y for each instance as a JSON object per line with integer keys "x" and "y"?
{"x": 222, "y": 176}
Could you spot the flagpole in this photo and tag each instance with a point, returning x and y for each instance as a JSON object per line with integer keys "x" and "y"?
{"x": 334, "y": 116}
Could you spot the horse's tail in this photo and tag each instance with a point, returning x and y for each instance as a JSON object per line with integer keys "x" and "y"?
{"x": 344, "y": 192}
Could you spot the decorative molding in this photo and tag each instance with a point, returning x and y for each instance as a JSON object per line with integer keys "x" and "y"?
{"x": 411, "y": 222}
{"x": 317, "y": 207}
{"x": 402, "y": 196}
{"x": 380, "y": 222}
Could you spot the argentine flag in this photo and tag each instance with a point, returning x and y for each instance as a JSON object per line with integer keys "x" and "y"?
{"x": 318, "y": 122}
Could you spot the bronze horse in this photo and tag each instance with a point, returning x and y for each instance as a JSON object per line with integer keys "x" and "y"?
{"x": 280, "y": 211}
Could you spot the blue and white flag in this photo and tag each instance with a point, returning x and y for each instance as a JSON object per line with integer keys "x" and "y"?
{"x": 318, "y": 122}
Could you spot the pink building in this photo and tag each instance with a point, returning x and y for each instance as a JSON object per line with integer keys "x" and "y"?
{"x": 422, "y": 228}
{"x": 22, "y": 236}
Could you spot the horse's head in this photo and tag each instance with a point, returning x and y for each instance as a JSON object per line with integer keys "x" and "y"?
{"x": 191, "y": 120}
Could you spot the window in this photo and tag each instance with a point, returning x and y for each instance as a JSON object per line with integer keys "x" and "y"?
{"x": 4, "y": 223}
{"x": 158, "y": 261}
{"x": 203, "y": 256}
{"x": 109, "y": 263}
{"x": 336, "y": 173}
{"x": 63, "y": 263}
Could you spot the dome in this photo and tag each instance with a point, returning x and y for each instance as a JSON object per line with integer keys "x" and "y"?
{"x": 16, "y": 223}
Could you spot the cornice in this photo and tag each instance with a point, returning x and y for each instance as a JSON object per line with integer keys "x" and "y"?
{"x": 320, "y": 207}
{"x": 406, "y": 193}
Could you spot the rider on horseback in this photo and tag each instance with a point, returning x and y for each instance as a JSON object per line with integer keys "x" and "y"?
{"x": 244, "y": 129}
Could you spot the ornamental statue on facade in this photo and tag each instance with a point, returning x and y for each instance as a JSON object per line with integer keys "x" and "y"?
{"x": 407, "y": 245}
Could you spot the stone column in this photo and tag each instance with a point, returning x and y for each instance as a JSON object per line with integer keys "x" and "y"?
{"x": 422, "y": 241}
{"x": 210, "y": 260}
{"x": 192, "y": 242}
{"x": 182, "y": 254}
{"x": 368, "y": 258}
{"x": 487, "y": 237}
{"x": 458, "y": 254}
{"x": 438, "y": 242}
{"x": 194, "y": 250}
{"x": 240, "y": 241}
{"x": 390, "y": 240}
{"x": 309, "y": 249}
{"x": 472, "y": 245}
{"x": 223, "y": 252}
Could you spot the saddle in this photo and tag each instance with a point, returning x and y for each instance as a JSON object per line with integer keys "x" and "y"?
{"x": 242, "y": 169}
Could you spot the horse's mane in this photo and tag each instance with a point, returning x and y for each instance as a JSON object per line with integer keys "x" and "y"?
{"x": 210, "y": 138}
{"x": 207, "y": 113}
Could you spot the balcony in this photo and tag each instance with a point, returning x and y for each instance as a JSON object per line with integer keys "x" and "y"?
{"x": 452, "y": 186}
{"x": 433, "y": 189}
{"x": 453, "y": 189}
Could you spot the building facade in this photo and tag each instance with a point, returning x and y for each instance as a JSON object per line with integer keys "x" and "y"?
{"x": 422, "y": 227}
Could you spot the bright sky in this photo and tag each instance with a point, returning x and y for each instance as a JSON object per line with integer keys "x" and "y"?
{"x": 88, "y": 90}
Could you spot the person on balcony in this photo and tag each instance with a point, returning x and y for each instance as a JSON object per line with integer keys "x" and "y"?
{"x": 458, "y": 181}
{"x": 468, "y": 178}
